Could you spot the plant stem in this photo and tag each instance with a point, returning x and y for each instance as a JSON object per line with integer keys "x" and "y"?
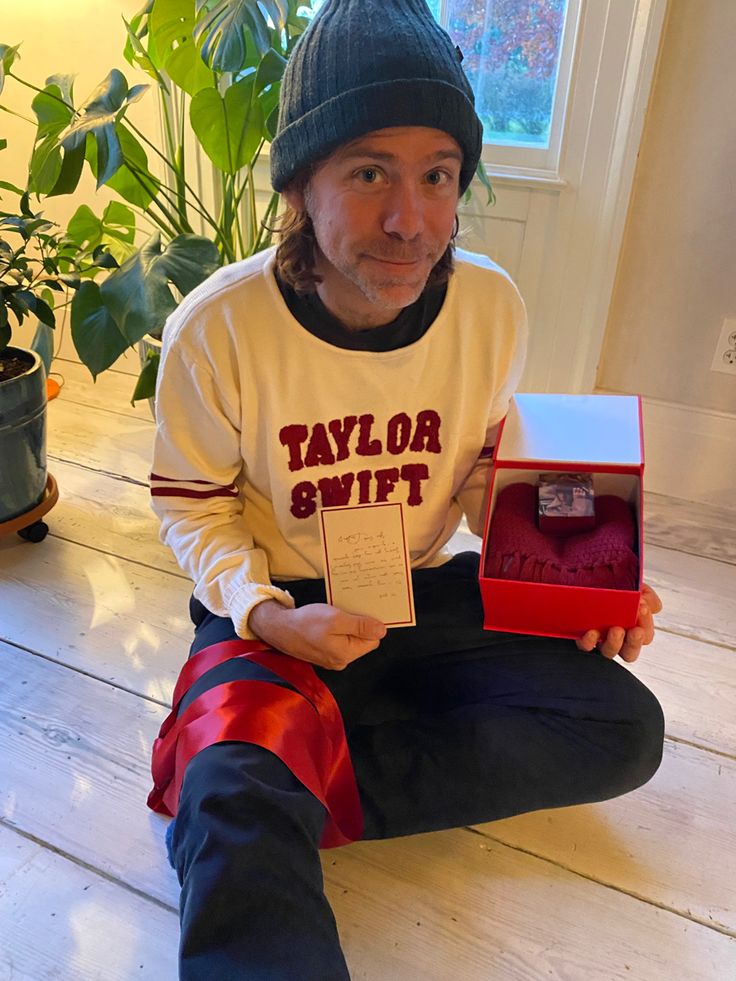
{"x": 191, "y": 190}
{"x": 181, "y": 163}
{"x": 170, "y": 142}
{"x": 154, "y": 200}
{"x": 41, "y": 91}
{"x": 253, "y": 231}
{"x": 225, "y": 223}
{"x": 20, "y": 115}
{"x": 174, "y": 163}
{"x": 182, "y": 145}
{"x": 272, "y": 207}
{"x": 238, "y": 226}
{"x": 169, "y": 196}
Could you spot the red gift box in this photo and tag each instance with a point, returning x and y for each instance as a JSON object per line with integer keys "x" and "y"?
{"x": 597, "y": 434}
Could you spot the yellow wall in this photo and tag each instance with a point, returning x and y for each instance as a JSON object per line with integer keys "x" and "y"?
{"x": 76, "y": 37}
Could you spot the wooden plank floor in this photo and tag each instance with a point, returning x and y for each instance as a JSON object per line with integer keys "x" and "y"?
{"x": 93, "y": 630}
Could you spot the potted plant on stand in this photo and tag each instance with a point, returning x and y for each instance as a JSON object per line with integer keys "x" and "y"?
{"x": 36, "y": 264}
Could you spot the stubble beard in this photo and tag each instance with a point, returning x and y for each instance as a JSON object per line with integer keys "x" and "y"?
{"x": 389, "y": 292}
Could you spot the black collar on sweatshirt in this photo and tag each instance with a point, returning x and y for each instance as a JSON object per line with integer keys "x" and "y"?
{"x": 408, "y": 327}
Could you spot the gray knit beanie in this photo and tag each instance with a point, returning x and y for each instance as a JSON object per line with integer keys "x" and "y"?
{"x": 364, "y": 65}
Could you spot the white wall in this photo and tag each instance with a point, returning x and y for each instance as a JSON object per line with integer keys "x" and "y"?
{"x": 676, "y": 278}
{"x": 677, "y": 271}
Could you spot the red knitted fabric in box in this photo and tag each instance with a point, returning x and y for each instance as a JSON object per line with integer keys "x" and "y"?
{"x": 603, "y": 558}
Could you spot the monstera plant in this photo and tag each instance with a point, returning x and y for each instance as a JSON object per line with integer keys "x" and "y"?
{"x": 215, "y": 67}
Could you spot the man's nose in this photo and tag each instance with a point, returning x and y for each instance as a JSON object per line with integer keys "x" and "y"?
{"x": 404, "y": 212}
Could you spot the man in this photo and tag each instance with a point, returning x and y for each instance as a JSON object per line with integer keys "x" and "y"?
{"x": 364, "y": 361}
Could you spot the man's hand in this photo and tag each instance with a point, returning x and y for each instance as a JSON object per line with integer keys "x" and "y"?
{"x": 317, "y": 633}
{"x": 626, "y": 643}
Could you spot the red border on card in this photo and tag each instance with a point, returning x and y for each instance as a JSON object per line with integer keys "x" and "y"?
{"x": 407, "y": 568}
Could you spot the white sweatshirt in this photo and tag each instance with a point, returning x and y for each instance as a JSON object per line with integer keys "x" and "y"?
{"x": 260, "y": 423}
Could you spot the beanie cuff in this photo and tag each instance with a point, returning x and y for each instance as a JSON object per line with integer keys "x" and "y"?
{"x": 380, "y": 105}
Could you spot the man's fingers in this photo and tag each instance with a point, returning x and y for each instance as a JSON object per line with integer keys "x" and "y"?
{"x": 645, "y": 623}
{"x": 588, "y": 641}
{"x": 613, "y": 643}
{"x": 627, "y": 644}
{"x": 631, "y": 648}
{"x": 357, "y": 647}
{"x": 653, "y": 602}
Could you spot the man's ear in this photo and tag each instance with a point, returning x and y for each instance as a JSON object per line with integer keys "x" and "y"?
{"x": 294, "y": 198}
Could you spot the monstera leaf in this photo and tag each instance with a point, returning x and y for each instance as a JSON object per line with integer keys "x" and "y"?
{"x": 222, "y": 29}
{"x": 230, "y": 128}
{"x": 148, "y": 57}
{"x": 138, "y": 294}
{"x": 8, "y": 55}
{"x": 115, "y": 230}
{"x": 133, "y": 180}
{"x": 99, "y": 116}
{"x": 54, "y": 107}
{"x": 170, "y": 27}
{"x": 97, "y": 338}
{"x": 50, "y": 171}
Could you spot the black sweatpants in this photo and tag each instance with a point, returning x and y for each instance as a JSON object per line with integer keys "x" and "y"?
{"x": 447, "y": 724}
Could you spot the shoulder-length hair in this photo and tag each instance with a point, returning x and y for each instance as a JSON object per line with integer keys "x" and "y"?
{"x": 296, "y": 253}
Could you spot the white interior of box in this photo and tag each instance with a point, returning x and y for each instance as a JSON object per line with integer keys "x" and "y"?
{"x": 596, "y": 429}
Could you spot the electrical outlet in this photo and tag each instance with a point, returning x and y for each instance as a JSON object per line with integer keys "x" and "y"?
{"x": 725, "y": 357}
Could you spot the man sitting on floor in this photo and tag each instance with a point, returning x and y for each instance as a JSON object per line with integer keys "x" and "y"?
{"x": 363, "y": 360}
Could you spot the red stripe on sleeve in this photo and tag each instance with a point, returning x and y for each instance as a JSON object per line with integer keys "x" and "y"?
{"x": 179, "y": 480}
{"x": 186, "y": 492}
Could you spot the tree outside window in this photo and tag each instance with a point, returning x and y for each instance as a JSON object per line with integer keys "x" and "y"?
{"x": 511, "y": 52}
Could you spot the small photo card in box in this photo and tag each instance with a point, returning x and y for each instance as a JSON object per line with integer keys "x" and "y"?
{"x": 535, "y": 580}
{"x": 566, "y": 503}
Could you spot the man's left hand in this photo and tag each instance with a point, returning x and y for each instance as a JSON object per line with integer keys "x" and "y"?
{"x": 627, "y": 644}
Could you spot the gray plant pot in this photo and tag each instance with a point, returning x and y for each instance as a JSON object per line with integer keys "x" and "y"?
{"x": 22, "y": 437}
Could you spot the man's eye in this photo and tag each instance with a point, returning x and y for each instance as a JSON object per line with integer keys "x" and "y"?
{"x": 369, "y": 175}
{"x": 437, "y": 177}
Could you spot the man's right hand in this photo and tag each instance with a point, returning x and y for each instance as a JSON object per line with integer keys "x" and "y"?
{"x": 318, "y": 633}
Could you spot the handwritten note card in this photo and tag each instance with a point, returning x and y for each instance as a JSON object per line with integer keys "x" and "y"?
{"x": 367, "y": 562}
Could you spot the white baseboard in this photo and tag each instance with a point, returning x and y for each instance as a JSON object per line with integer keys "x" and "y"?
{"x": 690, "y": 453}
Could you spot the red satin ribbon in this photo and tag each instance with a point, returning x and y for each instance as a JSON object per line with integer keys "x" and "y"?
{"x": 303, "y": 728}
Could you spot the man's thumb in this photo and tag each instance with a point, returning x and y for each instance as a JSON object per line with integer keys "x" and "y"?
{"x": 368, "y": 628}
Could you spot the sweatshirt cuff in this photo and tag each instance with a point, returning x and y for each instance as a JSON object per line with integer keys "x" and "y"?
{"x": 242, "y": 602}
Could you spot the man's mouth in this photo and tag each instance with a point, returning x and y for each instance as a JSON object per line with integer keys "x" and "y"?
{"x": 395, "y": 262}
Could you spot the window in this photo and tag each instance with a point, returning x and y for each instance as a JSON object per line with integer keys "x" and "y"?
{"x": 518, "y": 58}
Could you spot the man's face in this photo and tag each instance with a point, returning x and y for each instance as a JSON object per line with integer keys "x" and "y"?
{"x": 383, "y": 209}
